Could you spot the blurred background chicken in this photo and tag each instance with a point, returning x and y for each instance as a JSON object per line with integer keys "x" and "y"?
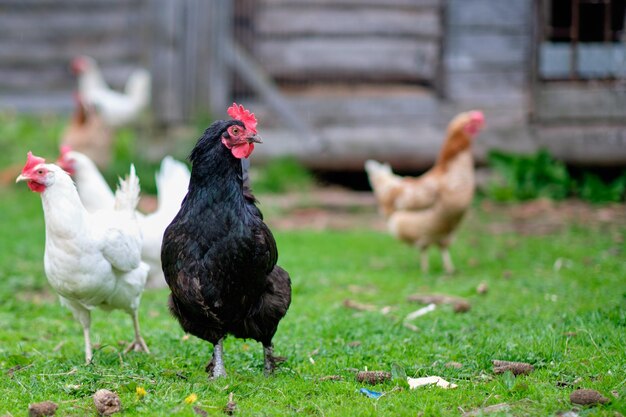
{"x": 427, "y": 210}
{"x": 88, "y": 133}
{"x": 91, "y": 259}
{"x": 116, "y": 108}
{"x": 171, "y": 181}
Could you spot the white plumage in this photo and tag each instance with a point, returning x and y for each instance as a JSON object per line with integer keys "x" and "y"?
{"x": 91, "y": 259}
{"x": 116, "y": 108}
{"x": 172, "y": 181}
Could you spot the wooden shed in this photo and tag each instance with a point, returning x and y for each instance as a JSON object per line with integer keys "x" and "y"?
{"x": 335, "y": 82}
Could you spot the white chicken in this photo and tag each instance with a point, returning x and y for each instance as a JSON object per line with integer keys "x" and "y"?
{"x": 91, "y": 259}
{"x": 93, "y": 189}
{"x": 172, "y": 181}
{"x": 116, "y": 108}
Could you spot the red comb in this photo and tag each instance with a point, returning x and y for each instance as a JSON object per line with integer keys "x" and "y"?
{"x": 65, "y": 149}
{"x": 31, "y": 162}
{"x": 238, "y": 112}
{"x": 477, "y": 116}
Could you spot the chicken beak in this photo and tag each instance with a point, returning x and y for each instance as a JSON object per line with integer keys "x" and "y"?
{"x": 254, "y": 139}
{"x": 21, "y": 177}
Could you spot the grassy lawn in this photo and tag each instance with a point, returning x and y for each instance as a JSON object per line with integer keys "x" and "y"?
{"x": 556, "y": 300}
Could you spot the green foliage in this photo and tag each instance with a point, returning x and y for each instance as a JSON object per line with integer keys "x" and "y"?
{"x": 282, "y": 175}
{"x": 526, "y": 177}
{"x": 18, "y": 135}
{"x": 570, "y": 323}
{"x": 592, "y": 188}
{"x": 41, "y": 135}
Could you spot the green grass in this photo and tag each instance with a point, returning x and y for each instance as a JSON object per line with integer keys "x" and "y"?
{"x": 527, "y": 315}
{"x": 569, "y": 323}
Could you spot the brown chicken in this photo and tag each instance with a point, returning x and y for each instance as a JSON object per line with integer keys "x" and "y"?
{"x": 87, "y": 133}
{"x": 427, "y": 210}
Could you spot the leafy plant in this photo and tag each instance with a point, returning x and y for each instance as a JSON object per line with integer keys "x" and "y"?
{"x": 525, "y": 177}
{"x": 592, "y": 188}
{"x": 281, "y": 175}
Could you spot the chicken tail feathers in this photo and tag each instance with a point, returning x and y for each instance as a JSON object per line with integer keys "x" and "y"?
{"x": 377, "y": 171}
{"x": 172, "y": 182}
{"x": 138, "y": 87}
{"x": 127, "y": 193}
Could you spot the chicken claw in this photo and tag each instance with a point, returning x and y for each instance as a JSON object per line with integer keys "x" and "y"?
{"x": 270, "y": 360}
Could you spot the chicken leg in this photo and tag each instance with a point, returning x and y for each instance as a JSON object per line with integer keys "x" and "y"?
{"x": 138, "y": 345}
{"x": 83, "y": 315}
{"x": 88, "y": 352}
{"x": 447, "y": 260}
{"x": 216, "y": 364}
{"x": 270, "y": 360}
{"x": 424, "y": 260}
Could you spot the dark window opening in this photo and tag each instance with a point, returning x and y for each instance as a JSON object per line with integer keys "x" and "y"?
{"x": 584, "y": 40}
{"x": 586, "y": 20}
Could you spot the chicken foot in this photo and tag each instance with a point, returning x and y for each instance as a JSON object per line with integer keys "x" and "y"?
{"x": 138, "y": 345}
{"x": 447, "y": 260}
{"x": 216, "y": 365}
{"x": 270, "y": 361}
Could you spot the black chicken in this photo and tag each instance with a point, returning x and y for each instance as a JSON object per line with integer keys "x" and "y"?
{"x": 218, "y": 256}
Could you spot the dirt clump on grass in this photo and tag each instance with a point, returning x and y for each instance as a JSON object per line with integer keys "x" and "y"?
{"x": 46, "y": 408}
{"x": 517, "y": 368}
{"x": 587, "y": 397}
{"x": 373, "y": 377}
{"x": 107, "y": 402}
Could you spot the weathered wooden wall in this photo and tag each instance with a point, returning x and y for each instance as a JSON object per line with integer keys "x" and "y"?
{"x": 487, "y": 51}
{"x": 38, "y": 39}
{"x": 349, "y": 40}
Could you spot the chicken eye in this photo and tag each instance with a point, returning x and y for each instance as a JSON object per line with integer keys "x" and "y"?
{"x": 235, "y": 130}
{"x": 40, "y": 171}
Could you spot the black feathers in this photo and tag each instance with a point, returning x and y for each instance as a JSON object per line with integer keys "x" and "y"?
{"x": 218, "y": 256}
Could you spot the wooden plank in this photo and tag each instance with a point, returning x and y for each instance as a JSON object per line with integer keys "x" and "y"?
{"x": 489, "y": 13}
{"x": 36, "y": 5}
{"x": 280, "y": 21}
{"x": 220, "y": 76}
{"x": 346, "y": 58}
{"x": 31, "y": 78}
{"x": 602, "y": 145}
{"x": 488, "y": 88}
{"x": 569, "y": 101}
{"x": 473, "y": 51}
{"x": 264, "y": 86}
{"x": 37, "y": 102}
{"x": 167, "y": 62}
{"x": 357, "y": 3}
{"x": 347, "y": 104}
{"x": 62, "y": 24}
{"x": 47, "y": 52}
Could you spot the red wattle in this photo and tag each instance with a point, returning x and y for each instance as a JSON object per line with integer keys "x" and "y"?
{"x": 242, "y": 151}
{"x": 36, "y": 187}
